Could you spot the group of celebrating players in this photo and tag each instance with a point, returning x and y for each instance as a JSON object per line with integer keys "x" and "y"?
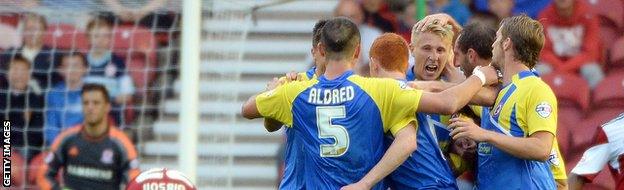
{"x": 411, "y": 127}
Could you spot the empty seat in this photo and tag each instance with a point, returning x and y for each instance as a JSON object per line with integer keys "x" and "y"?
{"x": 137, "y": 45}
{"x": 609, "y": 92}
{"x": 572, "y": 94}
{"x": 65, "y": 36}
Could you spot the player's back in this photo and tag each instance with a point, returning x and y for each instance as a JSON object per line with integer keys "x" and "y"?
{"x": 341, "y": 132}
{"x": 339, "y": 124}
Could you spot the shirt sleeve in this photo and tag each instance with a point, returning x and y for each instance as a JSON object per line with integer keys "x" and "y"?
{"x": 594, "y": 158}
{"x": 402, "y": 103}
{"x": 54, "y": 160}
{"x": 541, "y": 110}
{"x": 275, "y": 104}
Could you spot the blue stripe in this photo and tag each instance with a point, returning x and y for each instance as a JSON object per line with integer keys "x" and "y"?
{"x": 511, "y": 90}
{"x": 410, "y": 75}
{"x": 515, "y": 129}
{"x": 528, "y": 73}
{"x": 310, "y": 72}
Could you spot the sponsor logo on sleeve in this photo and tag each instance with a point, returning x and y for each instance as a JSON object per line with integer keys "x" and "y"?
{"x": 543, "y": 110}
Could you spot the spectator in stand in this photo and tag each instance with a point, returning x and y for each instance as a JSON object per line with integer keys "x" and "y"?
{"x": 377, "y": 14}
{"x": 148, "y": 13}
{"x": 572, "y": 43}
{"x": 405, "y": 11}
{"x": 352, "y": 10}
{"x": 529, "y": 7}
{"x": 64, "y": 105}
{"x": 106, "y": 68}
{"x": 32, "y": 27}
{"x": 23, "y": 107}
{"x": 501, "y": 8}
{"x": 458, "y": 10}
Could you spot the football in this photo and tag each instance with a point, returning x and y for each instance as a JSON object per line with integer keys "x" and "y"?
{"x": 161, "y": 179}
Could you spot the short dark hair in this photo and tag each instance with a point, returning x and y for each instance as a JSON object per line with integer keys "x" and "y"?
{"x": 478, "y": 37}
{"x": 340, "y": 37}
{"x": 72, "y": 54}
{"x": 527, "y": 36}
{"x": 316, "y": 32}
{"x": 89, "y": 87}
{"x": 19, "y": 59}
{"x": 99, "y": 21}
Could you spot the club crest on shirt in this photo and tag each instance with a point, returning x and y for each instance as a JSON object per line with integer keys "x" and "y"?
{"x": 107, "y": 156}
{"x": 497, "y": 110}
{"x": 543, "y": 109}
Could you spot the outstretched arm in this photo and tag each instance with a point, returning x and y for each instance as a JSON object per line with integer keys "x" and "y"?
{"x": 451, "y": 100}
{"x": 486, "y": 96}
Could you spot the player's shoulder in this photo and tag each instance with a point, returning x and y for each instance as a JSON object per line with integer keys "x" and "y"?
{"x": 538, "y": 87}
{"x": 377, "y": 82}
{"x": 66, "y": 135}
{"x": 122, "y": 141}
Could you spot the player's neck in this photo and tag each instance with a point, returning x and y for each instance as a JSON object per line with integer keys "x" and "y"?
{"x": 512, "y": 68}
{"x": 334, "y": 68}
{"x": 392, "y": 74}
{"x": 97, "y": 130}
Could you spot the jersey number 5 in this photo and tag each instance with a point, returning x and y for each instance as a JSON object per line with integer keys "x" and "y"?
{"x": 326, "y": 129}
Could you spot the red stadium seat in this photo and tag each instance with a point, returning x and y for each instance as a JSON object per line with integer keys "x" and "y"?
{"x": 610, "y": 92}
{"x": 616, "y": 56}
{"x": 137, "y": 45}
{"x": 610, "y": 11}
{"x": 573, "y": 98}
{"x": 607, "y": 34}
{"x": 66, "y": 36}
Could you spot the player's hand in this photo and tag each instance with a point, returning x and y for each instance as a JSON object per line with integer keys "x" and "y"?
{"x": 491, "y": 75}
{"x": 464, "y": 128}
{"x": 439, "y": 18}
{"x": 356, "y": 186}
{"x": 292, "y": 76}
{"x": 453, "y": 74}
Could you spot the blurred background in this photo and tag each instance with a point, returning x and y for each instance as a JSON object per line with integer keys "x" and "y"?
{"x": 244, "y": 44}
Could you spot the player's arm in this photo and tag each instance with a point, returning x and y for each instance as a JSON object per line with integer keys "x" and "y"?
{"x": 46, "y": 178}
{"x": 403, "y": 145}
{"x": 129, "y": 162}
{"x": 536, "y": 146}
{"x": 250, "y": 109}
{"x": 453, "y": 99}
{"x": 594, "y": 159}
{"x": 272, "y": 125}
{"x": 486, "y": 96}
